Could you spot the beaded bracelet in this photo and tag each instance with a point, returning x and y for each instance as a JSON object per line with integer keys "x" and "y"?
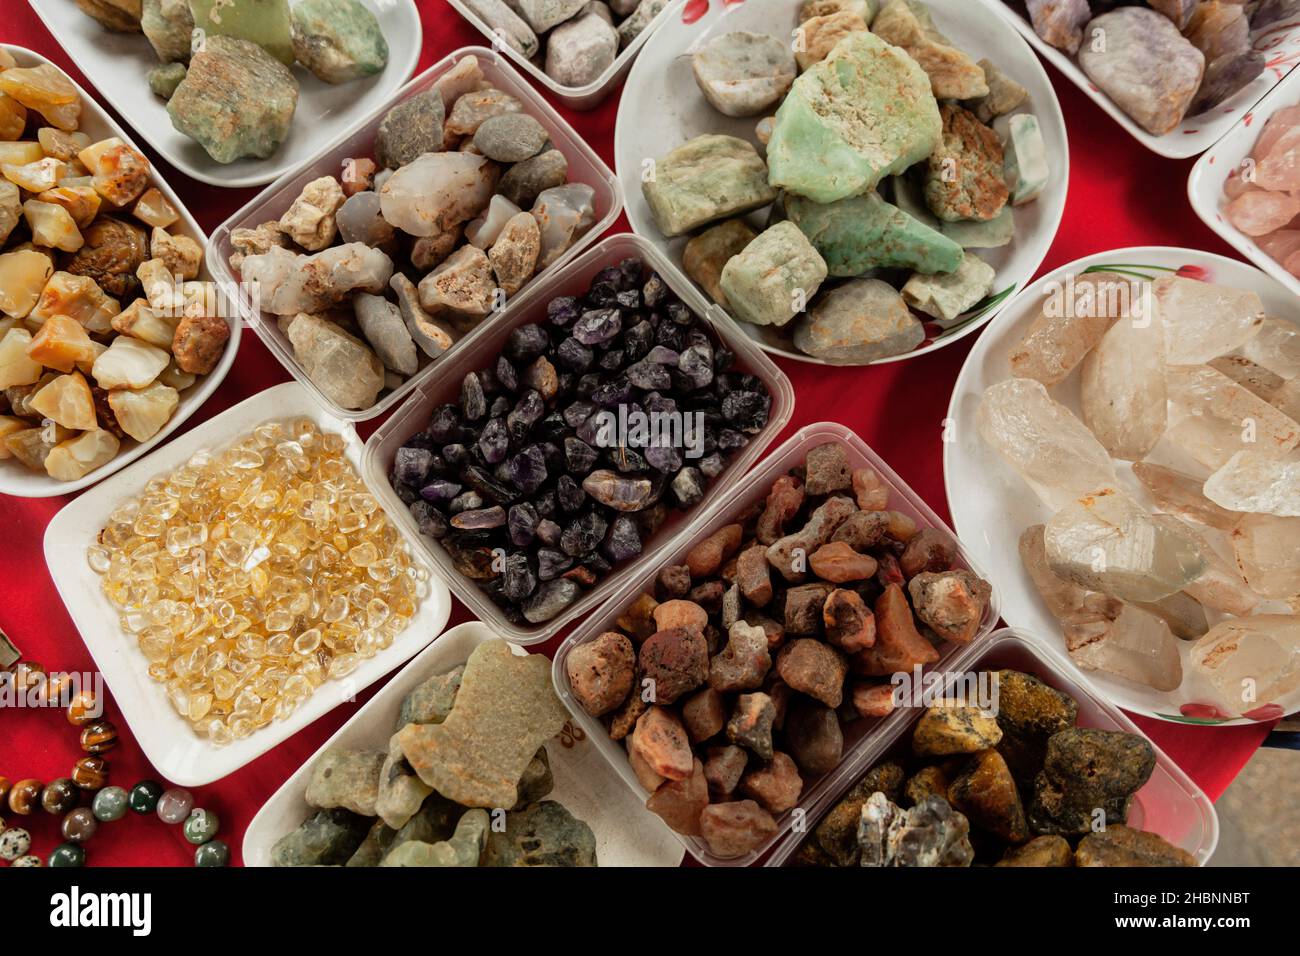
{"x": 90, "y": 775}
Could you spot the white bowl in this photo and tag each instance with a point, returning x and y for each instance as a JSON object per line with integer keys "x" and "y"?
{"x": 16, "y": 478}
{"x": 592, "y": 94}
{"x": 118, "y": 62}
{"x": 167, "y": 740}
{"x": 662, "y": 85}
{"x": 991, "y": 504}
{"x": 1280, "y": 43}
{"x": 627, "y": 834}
{"x": 1205, "y": 185}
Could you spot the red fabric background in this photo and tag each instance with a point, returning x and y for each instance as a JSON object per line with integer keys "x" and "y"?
{"x": 1120, "y": 195}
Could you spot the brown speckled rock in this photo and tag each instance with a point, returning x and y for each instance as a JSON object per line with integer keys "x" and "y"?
{"x": 1040, "y": 851}
{"x": 815, "y": 669}
{"x": 1122, "y": 846}
{"x": 986, "y": 792}
{"x": 705, "y": 714}
{"x": 745, "y": 661}
{"x": 724, "y": 768}
{"x": 601, "y": 672}
{"x": 677, "y": 660}
{"x": 734, "y": 829}
{"x": 943, "y": 731}
{"x": 750, "y": 725}
{"x": 776, "y": 785}
{"x": 679, "y": 803}
{"x": 660, "y": 740}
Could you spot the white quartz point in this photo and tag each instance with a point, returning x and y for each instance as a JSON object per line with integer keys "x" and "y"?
{"x": 1276, "y": 347}
{"x": 1257, "y": 483}
{"x": 1076, "y": 312}
{"x": 1043, "y": 440}
{"x": 1108, "y": 542}
{"x": 563, "y": 213}
{"x": 1223, "y": 418}
{"x": 483, "y": 232}
{"x": 1181, "y": 494}
{"x": 1249, "y": 662}
{"x": 283, "y": 283}
{"x": 1138, "y": 646}
{"x": 1268, "y": 554}
{"x": 1123, "y": 395}
{"x": 1204, "y": 321}
{"x": 1221, "y": 586}
{"x": 437, "y": 191}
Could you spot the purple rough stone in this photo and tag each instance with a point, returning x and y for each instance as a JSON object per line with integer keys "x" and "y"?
{"x": 637, "y": 340}
{"x": 526, "y": 344}
{"x": 570, "y": 494}
{"x": 579, "y": 457}
{"x": 494, "y": 443}
{"x": 623, "y": 540}
{"x": 527, "y": 412}
{"x": 473, "y": 401}
{"x": 480, "y": 519}
{"x": 645, "y": 374}
{"x": 550, "y": 600}
{"x": 528, "y": 469}
{"x": 563, "y": 311}
{"x": 617, "y": 492}
{"x": 746, "y": 410}
{"x": 630, "y": 271}
{"x": 518, "y": 580}
{"x": 574, "y": 356}
{"x": 584, "y": 535}
{"x": 521, "y": 521}
{"x": 662, "y": 355}
{"x": 613, "y": 393}
{"x": 578, "y": 412}
{"x": 429, "y": 520}
{"x": 411, "y": 465}
{"x": 440, "y": 491}
{"x": 551, "y": 563}
{"x": 597, "y": 326}
{"x": 548, "y": 532}
{"x": 507, "y": 374}
{"x": 712, "y": 465}
{"x": 664, "y": 458}
{"x": 445, "y": 423}
{"x": 696, "y": 363}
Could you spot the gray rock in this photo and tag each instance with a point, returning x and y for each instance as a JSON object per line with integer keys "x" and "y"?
{"x": 168, "y": 25}
{"x": 410, "y": 129}
{"x": 579, "y": 51}
{"x": 432, "y": 335}
{"x": 339, "y": 364}
{"x": 463, "y": 848}
{"x": 550, "y": 600}
{"x": 431, "y": 702}
{"x": 858, "y": 322}
{"x": 537, "y": 781}
{"x": 510, "y": 138}
{"x": 1225, "y": 77}
{"x": 544, "y": 834}
{"x": 635, "y": 25}
{"x": 506, "y": 24}
{"x": 347, "y": 779}
{"x": 401, "y": 791}
{"x": 381, "y": 323}
{"x": 164, "y": 79}
{"x": 600, "y": 9}
{"x": 525, "y": 181}
{"x": 435, "y": 822}
{"x": 327, "y": 839}
{"x": 544, "y": 14}
{"x": 744, "y": 74}
{"x": 623, "y": 8}
{"x": 375, "y": 846}
{"x": 360, "y": 219}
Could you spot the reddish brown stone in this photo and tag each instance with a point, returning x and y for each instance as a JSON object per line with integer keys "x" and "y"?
{"x": 644, "y": 774}
{"x": 705, "y": 714}
{"x": 781, "y": 695}
{"x": 863, "y": 530}
{"x": 890, "y": 573}
{"x": 929, "y": 550}
{"x": 873, "y": 700}
{"x": 706, "y": 557}
{"x": 724, "y": 768}
{"x": 899, "y": 646}
{"x": 803, "y": 608}
{"x": 775, "y": 785}
{"x": 813, "y": 668}
{"x": 583, "y": 575}
{"x": 872, "y": 493}
{"x": 601, "y": 672}
{"x": 827, "y": 469}
{"x": 773, "y": 629}
{"x": 952, "y": 603}
{"x": 660, "y": 740}
{"x": 199, "y": 343}
{"x": 849, "y": 623}
{"x": 685, "y": 614}
{"x": 813, "y": 735}
{"x": 783, "y": 503}
{"x": 625, "y": 718}
{"x": 902, "y": 528}
{"x": 676, "y": 660}
{"x": 734, "y": 829}
{"x": 751, "y": 724}
{"x": 754, "y": 575}
{"x": 674, "y": 581}
{"x": 708, "y": 596}
{"x": 744, "y": 662}
{"x": 639, "y": 619}
{"x": 837, "y": 562}
{"x": 679, "y": 803}
{"x": 927, "y": 782}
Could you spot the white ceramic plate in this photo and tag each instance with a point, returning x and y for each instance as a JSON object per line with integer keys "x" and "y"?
{"x": 17, "y": 479}
{"x": 167, "y": 740}
{"x": 1280, "y": 44}
{"x": 1205, "y": 185}
{"x": 991, "y": 504}
{"x": 117, "y": 64}
{"x": 662, "y": 107}
{"x": 627, "y": 834}
{"x": 586, "y": 97}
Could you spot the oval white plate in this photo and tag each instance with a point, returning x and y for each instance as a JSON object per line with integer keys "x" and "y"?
{"x": 1205, "y": 185}
{"x": 17, "y": 479}
{"x": 662, "y": 86}
{"x": 627, "y": 834}
{"x": 1280, "y": 44}
{"x": 117, "y": 64}
{"x": 177, "y": 752}
{"x": 991, "y": 504}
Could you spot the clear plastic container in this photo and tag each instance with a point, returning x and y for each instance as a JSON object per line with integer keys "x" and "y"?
{"x": 481, "y": 349}
{"x": 859, "y": 735}
{"x": 575, "y": 97}
{"x": 584, "y": 167}
{"x": 1170, "y": 804}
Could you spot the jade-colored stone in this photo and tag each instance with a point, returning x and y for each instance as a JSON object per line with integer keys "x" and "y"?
{"x": 109, "y": 804}
{"x": 68, "y": 854}
{"x": 144, "y": 796}
{"x": 1024, "y": 157}
{"x": 164, "y": 79}
{"x": 169, "y": 27}
{"x": 264, "y": 22}
{"x": 861, "y": 321}
{"x": 865, "y": 232}
{"x": 707, "y": 178}
{"x": 212, "y": 853}
{"x": 201, "y": 826}
{"x": 947, "y": 297}
{"x": 338, "y": 40}
{"x": 774, "y": 278}
{"x": 463, "y": 848}
{"x": 863, "y": 113}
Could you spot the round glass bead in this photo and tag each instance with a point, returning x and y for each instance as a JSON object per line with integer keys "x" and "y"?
{"x": 60, "y": 796}
{"x": 175, "y": 805}
{"x": 79, "y": 825}
{"x": 26, "y": 861}
{"x": 90, "y": 772}
{"x": 201, "y": 826}
{"x": 25, "y": 796}
{"x": 110, "y": 804}
{"x": 144, "y": 796}
{"x": 98, "y": 737}
{"x": 14, "y": 842}
{"x": 68, "y": 854}
{"x": 212, "y": 853}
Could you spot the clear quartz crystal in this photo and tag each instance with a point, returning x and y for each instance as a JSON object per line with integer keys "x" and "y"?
{"x": 1221, "y": 586}
{"x": 1249, "y": 662}
{"x": 1257, "y": 483}
{"x": 1124, "y": 398}
{"x": 1268, "y": 553}
{"x": 1276, "y": 347}
{"x": 1222, "y": 417}
{"x": 1181, "y": 494}
{"x": 1204, "y": 321}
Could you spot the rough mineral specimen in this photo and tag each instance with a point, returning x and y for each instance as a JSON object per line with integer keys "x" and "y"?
{"x": 986, "y": 793}
{"x": 965, "y": 177}
{"x": 169, "y": 26}
{"x": 267, "y": 23}
{"x": 1226, "y": 76}
{"x": 1122, "y": 392}
{"x": 1204, "y": 320}
{"x": 774, "y": 277}
{"x": 327, "y": 839}
{"x": 544, "y": 834}
{"x": 1075, "y": 315}
{"x": 563, "y": 214}
{"x": 638, "y": 20}
{"x": 338, "y": 363}
{"x": 707, "y": 178}
{"x": 817, "y": 36}
{"x": 164, "y": 79}
{"x": 1259, "y": 483}
{"x": 525, "y": 181}
{"x": 601, "y": 672}
{"x": 1088, "y": 770}
{"x": 864, "y": 232}
{"x": 1025, "y": 161}
{"x": 410, "y": 129}
{"x": 1005, "y": 94}
{"x": 236, "y": 100}
{"x": 1268, "y": 553}
{"x": 1249, "y": 662}
{"x": 1060, "y": 22}
{"x": 953, "y": 74}
{"x": 744, "y": 74}
{"x": 437, "y": 191}
{"x": 579, "y": 51}
{"x": 929, "y": 834}
{"x": 948, "y": 297}
{"x": 863, "y": 113}
{"x": 705, "y": 255}
{"x": 949, "y": 728}
{"x": 338, "y": 40}
{"x": 347, "y": 779}
{"x": 857, "y": 323}
{"x": 381, "y": 323}
{"x": 1039, "y": 852}
{"x": 506, "y": 24}
{"x": 1125, "y": 846}
{"x": 542, "y": 15}
{"x": 288, "y": 284}
{"x": 1223, "y": 418}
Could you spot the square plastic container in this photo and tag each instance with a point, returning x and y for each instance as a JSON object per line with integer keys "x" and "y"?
{"x": 168, "y": 741}
{"x": 859, "y": 735}
{"x": 482, "y": 348}
{"x": 1170, "y": 804}
{"x": 574, "y": 97}
{"x": 584, "y": 167}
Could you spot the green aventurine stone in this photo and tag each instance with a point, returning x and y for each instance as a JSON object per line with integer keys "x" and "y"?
{"x": 237, "y": 100}
{"x": 863, "y": 113}
{"x": 949, "y": 296}
{"x": 705, "y": 179}
{"x": 1025, "y": 157}
{"x": 164, "y": 79}
{"x": 212, "y": 853}
{"x": 774, "y": 278}
{"x": 264, "y": 22}
{"x": 865, "y": 232}
{"x": 338, "y": 40}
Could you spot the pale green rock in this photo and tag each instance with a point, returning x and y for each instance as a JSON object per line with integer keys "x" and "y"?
{"x": 264, "y": 22}
{"x": 1004, "y": 95}
{"x": 707, "y": 178}
{"x": 164, "y": 79}
{"x": 865, "y": 232}
{"x": 544, "y": 834}
{"x": 338, "y": 40}
{"x": 462, "y": 848}
{"x": 863, "y": 113}
{"x": 948, "y": 296}
{"x": 858, "y": 322}
{"x": 773, "y": 279}
{"x": 1024, "y": 158}
{"x": 168, "y": 25}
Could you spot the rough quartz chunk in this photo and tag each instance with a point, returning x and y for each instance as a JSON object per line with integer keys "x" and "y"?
{"x": 774, "y": 278}
{"x": 141, "y": 413}
{"x": 708, "y": 178}
{"x": 288, "y": 284}
{"x": 77, "y": 457}
{"x": 1268, "y": 553}
{"x": 1025, "y": 161}
{"x": 1075, "y": 314}
{"x": 1181, "y": 494}
{"x": 580, "y": 51}
{"x": 339, "y": 364}
{"x": 858, "y": 322}
{"x": 1223, "y": 418}
{"x": 563, "y": 215}
{"x": 462, "y": 285}
{"x": 129, "y": 363}
{"x": 310, "y": 220}
{"x": 67, "y": 401}
{"x": 1250, "y": 662}
{"x": 437, "y": 191}
{"x": 744, "y": 74}
{"x": 1123, "y": 393}
{"x": 1204, "y": 321}
{"x": 1257, "y": 483}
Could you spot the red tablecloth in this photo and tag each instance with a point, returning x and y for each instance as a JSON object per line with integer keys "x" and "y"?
{"x": 1120, "y": 195}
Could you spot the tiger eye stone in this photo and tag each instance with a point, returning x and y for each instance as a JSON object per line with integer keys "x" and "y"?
{"x": 98, "y": 737}
{"x": 25, "y": 796}
{"x": 83, "y": 709}
{"x": 5, "y": 786}
{"x": 79, "y": 825}
{"x": 90, "y": 772}
{"x": 60, "y": 796}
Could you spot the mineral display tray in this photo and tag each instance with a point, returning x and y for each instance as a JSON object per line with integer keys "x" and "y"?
{"x": 1205, "y": 185}
{"x": 18, "y": 480}
{"x": 662, "y": 107}
{"x": 992, "y": 505}
{"x": 1280, "y": 44}
{"x": 116, "y": 63}
{"x": 167, "y": 740}
{"x": 626, "y": 833}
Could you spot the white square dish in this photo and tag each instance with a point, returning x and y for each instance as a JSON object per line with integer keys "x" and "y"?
{"x": 167, "y": 740}
{"x": 116, "y": 63}
{"x": 627, "y": 834}
{"x": 15, "y": 478}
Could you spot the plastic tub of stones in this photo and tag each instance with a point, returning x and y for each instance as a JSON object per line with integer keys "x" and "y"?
{"x": 859, "y": 733}
{"x": 584, "y": 167}
{"x": 588, "y": 84}
{"x": 484, "y": 348}
{"x": 1169, "y": 804}
{"x": 169, "y": 740}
